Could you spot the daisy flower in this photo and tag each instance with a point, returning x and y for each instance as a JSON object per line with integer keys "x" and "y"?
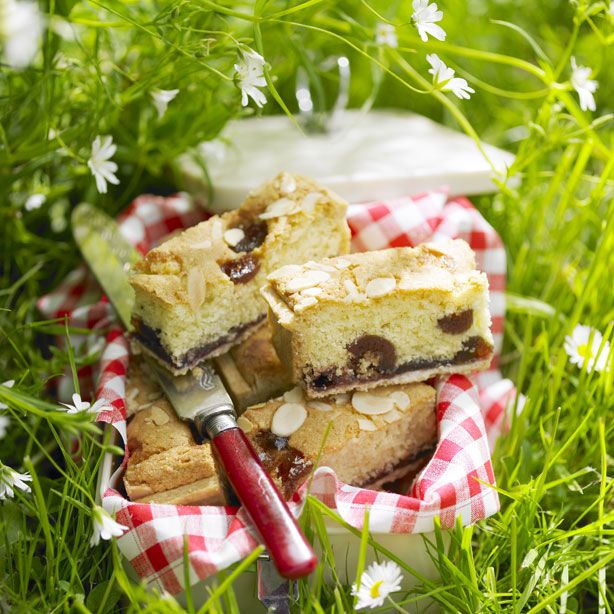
{"x": 582, "y": 346}
{"x": 11, "y": 479}
{"x": 386, "y": 35}
{"x": 100, "y": 164}
{"x": 21, "y": 28}
{"x": 104, "y": 527}
{"x": 78, "y": 405}
{"x": 443, "y": 77}
{"x": 376, "y": 583}
{"x": 251, "y": 77}
{"x": 34, "y": 202}
{"x": 583, "y": 85}
{"x": 161, "y": 98}
{"x": 8, "y": 384}
{"x": 425, "y": 17}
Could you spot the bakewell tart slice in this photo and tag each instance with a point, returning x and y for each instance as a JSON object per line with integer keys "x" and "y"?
{"x": 391, "y": 316}
{"x": 368, "y": 438}
{"x": 252, "y": 372}
{"x": 197, "y": 294}
{"x": 165, "y": 463}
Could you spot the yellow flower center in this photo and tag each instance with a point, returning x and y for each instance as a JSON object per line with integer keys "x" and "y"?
{"x": 585, "y": 350}
{"x": 375, "y": 588}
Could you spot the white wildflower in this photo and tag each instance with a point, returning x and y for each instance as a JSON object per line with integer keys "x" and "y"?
{"x": 100, "y": 164}
{"x": 11, "y": 479}
{"x": 583, "y": 85}
{"x": 386, "y": 35}
{"x": 21, "y": 28}
{"x": 425, "y": 15}
{"x": 161, "y": 98}
{"x": 376, "y": 583}
{"x": 251, "y": 77}
{"x": 443, "y": 77}
{"x": 4, "y": 425}
{"x": 34, "y": 202}
{"x": 104, "y": 526}
{"x": 8, "y": 384}
{"x": 582, "y": 346}
{"x": 78, "y": 405}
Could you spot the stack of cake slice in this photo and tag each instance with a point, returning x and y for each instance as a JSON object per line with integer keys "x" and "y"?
{"x": 340, "y": 376}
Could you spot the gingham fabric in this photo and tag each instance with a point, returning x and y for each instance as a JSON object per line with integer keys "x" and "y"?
{"x": 455, "y": 482}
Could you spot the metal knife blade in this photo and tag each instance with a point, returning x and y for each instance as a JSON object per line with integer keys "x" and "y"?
{"x": 108, "y": 254}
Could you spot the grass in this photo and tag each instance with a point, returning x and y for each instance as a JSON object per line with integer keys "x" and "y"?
{"x": 551, "y": 544}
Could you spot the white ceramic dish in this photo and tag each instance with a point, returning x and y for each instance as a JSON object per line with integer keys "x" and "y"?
{"x": 375, "y": 155}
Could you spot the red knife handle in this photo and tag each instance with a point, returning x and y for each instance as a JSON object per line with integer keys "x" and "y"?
{"x": 292, "y": 554}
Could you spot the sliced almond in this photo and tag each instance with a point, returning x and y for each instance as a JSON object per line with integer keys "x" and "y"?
{"x": 350, "y": 286}
{"x": 196, "y": 288}
{"x": 342, "y": 399}
{"x": 295, "y": 395}
{"x": 370, "y": 404}
{"x": 437, "y": 249}
{"x": 312, "y": 291}
{"x": 342, "y": 263}
{"x": 320, "y": 406}
{"x": 366, "y": 425}
{"x": 310, "y": 201}
{"x": 244, "y": 424}
{"x": 380, "y": 286}
{"x": 319, "y": 266}
{"x": 233, "y": 236}
{"x": 400, "y": 399}
{"x": 283, "y": 206}
{"x": 288, "y": 418}
{"x": 307, "y": 280}
{"x": 206, "y": 244}
{"x": 159, "y": 416}
{"x": 287, "y": 270}
{"x": 216, "y": 229}
{"x": 392, "y": 416}
{"x": 154, "y": 396}
{"x": 287, "y": 185}
{"x": 305, "y": 303}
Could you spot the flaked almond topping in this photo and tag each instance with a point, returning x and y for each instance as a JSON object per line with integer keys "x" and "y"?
{"x": 288, "y": 418}
{"x": 392, "y": 416}
{"x": 287, "y": 184}
{"x": 380, "y": 286}
{"x": 133, "y": 393}
{"x": 288, "y": 269}
{"x": 320, "y": 406}
{"x": 206, "y": 244}
{"x": 196, "y": 288}
{"x": 233, "y": 236}
{"x": 216, "y": 229}
{"x": 364, "y": 424}
{"x": 311, "y": 200}
{"x": 400, "y": 398}
{"x": 342, "y": 263}
{"x": 283, "y": 206}
{"x": 304, "y": 303}
{"x": 307, "y": 280}
{"x": 154, "y": 396}
{"x": 371, "y": 404}
{"x": 312, "y": 291}
{"x": 437, "y": 249}
{"x": 350, "y": 287}
{"x": 159, "y": 416}
{"x": 319, "y": 266}
{"x": 295, "y": 395}
{"x": 244, "y": 424}
{"x": 342, "y": 399}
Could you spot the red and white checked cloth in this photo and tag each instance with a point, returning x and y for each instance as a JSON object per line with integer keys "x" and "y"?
{"x": 469, "y": 412}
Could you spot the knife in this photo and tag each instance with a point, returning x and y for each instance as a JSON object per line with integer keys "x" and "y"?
{"x": 199, "y": 397}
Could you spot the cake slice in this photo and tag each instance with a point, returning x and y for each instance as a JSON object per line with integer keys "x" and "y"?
{"x": 197, "y": 294}
{"x": 165, "y": 463}
{"x": 391, "y": 316}
{"x": 375, "y": 437}
{"x": 252, "y": 372}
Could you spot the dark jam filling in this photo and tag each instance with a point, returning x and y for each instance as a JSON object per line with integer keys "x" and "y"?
{"x": 150, "y": 338}
{"x": 241, "y": 270}
{"x": 456, "y": 323}
{"x": 255, "y": 234}
{"x": 283, "y": 462}
{"x": 474, "y": 348}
